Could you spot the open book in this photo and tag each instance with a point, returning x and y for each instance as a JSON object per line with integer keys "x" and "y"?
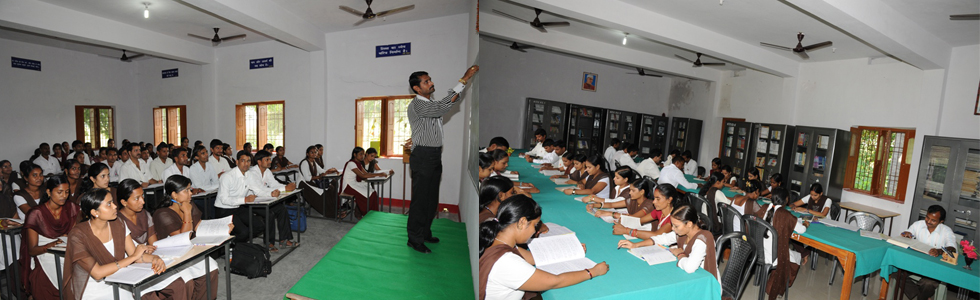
{"x": 555, "y": 229}
{"x": 134, "y": 273}
{"x": 653, "y": 255}
{"x": 913, "y": 244}
{"x": 633, "y": 223}
{"x": 838, "y": 224}
{"x": 174, "y": 246}
{"x": 561, "y": 181}
{"x": 551, "y": 172}
{"x": 212, "y": 232}
{"x": 559, "y": 254}
{"x": 43, "y": 240}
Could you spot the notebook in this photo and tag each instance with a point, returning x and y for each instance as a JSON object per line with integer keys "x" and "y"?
{"x": 552, "y": 172}
{"x": 134, "y": 273}
{"x": 562, "y": 181}
{"x": 559, "y": 254}
{"x": 174, "y": 246}
{"x": 838, "y": 224}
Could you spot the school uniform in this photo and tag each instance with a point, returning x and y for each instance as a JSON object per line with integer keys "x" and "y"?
{"x": 157, "y": 167}
{"x": 537, "y": 150}
{"x": 547, "y": 158}
{"x": 131, "y": 171}
{"x": 263, "y": 184}
{"x": 502, "y": 272}
{"x": 691, "y": 167}
{"x": 203, "y": 178}
{"x": 674, "y": 176}
{"x": 218, "y": 164}
{"x": 172, "y": 170}
{"x": 114, "y": 170}
{"x": 48, "y": 165}
{"x": 610, "y": 155}
{"x": 649, "y": 168}
{"x": 700, "y": 251}
{"x": 625, "y": 159}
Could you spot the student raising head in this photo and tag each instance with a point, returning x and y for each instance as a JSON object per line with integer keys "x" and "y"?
{"x": 508, "y": 273}
{"x": 44, "y": 224}
{"x": 634, "y": 207}
{"x": 664, "y": 198}
{"x": 493, "y": 191}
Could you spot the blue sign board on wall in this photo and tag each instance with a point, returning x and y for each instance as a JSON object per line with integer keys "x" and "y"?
{"x": 26, "y": 64}
{"x": 393, "y": 50}
{"x": 260, "y": 63}
{"x": 169, "y": 73}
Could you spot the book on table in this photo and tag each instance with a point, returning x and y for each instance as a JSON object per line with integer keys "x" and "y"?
{"x": 913, "y": 244}
{"x": 555, "y": 229}
{"x": 838, "y": 224}
{"x": 559, "y": 254}
{"x": 562, "y": 181}
{"x": 872, "y": 235}
{"x": 653, "y": 255}
{"x": 632, "y": 222}
{"x": 212, "y": 232}
{"x": 134, "y": 273}
{"x": 174, "y": 246}
{"x": 551, "y": 172}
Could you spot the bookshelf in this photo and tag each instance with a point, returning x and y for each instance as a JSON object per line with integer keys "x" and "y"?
{"x": 770, "y": 148}
{"x": 550, "y": 115}
{"x": 949, "y": 176}
{"x": 585, "y": 129}
{"x": 653, "y": 134}
{"x": 734, "y": 150}
{"x": 622, "y": 125}
{"x": 819, "y": 155}
{"x": 685, "y": 134}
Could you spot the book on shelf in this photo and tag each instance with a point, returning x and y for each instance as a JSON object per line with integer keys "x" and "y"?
{"x": 801, "y": 139}
{"x": 824, "y": 142}
{"x": 731, "y": 128}
{"x": 559, "y": 254}
{"x": 774, "y": 148}
{"x": 762, "y": 146}
{"x": 741, "y": 131}
{"x": 764, "y": 132}
{"x": 773, "y": 162}
{"x": 556, "y": 110}
{"x": 760, "y": 161}
{"x": 538, "y": 107}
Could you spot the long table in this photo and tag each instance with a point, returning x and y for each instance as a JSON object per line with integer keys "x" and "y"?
{"x": 628, "y": 276}
{"x": 858, "y": 256}
{"x": 916, "y": 262}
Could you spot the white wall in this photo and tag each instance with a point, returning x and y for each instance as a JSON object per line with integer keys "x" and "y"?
{"x": 40, "y": 106}
{"x": 960, "y": 97}
{"x": 188, "y": 88}
{"x": 698, "y": 100}
{"x": 510, "y": 77}
{"x": 438, "y": 47}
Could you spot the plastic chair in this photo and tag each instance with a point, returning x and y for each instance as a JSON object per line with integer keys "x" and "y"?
{"x": 345, "y": 202}
{"x": 740, "y": 262}
{"x": 729, "y": 216}
{"x": 758, "y": 228}
{"x": 866, "y": 222}
{"x": 708, "y": 208}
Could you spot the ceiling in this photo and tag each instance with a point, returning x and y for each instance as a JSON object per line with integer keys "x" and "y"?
{"x": 935, "y": 19}
{"x": 327, "y": 16}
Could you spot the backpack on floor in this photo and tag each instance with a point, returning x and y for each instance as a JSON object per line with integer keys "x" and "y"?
{"x": 250, "y": 260}
{"x": 297, "y": 217}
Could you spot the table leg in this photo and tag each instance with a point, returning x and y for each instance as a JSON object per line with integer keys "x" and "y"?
{"x": 136, "y": 291}
{"x": 228, "y": 270}
{"x": 115, "y": 291}
{"x": 16, "y": 275}
{"x": 391, "y": 193}
{"x": 207, "y": 278}
{"x": 883, "y": 293}
{"x": 57, "y": 269}
{"x": 891, "y": 222}
{"x": 251, "y": 223}
{"x": 847, "y": 262}
{"x": 268, "y": 221}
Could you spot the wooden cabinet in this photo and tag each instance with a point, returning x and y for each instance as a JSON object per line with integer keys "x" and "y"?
{"x": 769, "y": 149}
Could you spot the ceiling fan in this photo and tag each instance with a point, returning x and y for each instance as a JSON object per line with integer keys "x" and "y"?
{"x": 537, "y": 24}
{"x": 697, "y": 62}
{"x": 643, "y": 73}
{"x": 800, "y": 49}
{"x": 129, "y": 58}
{"x": 514, "y": 46}
{"x": 217, "y": 39}
{"x": 969, "y": 17}
{"x": 368, "y": 14}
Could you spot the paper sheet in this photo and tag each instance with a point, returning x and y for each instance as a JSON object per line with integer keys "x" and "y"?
{"x": 567, "y": 266}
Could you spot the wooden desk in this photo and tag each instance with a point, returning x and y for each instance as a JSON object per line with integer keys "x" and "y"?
{"x": 883, "y": 214}
{"x": 847, "y": 261}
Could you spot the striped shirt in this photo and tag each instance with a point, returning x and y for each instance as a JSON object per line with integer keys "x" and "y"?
{"x": 425, "y": 116}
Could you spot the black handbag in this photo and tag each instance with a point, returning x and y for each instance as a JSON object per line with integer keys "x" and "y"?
{"x": 250, "y": 260}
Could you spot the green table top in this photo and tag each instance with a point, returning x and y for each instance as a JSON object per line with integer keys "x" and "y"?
{"x": 373, "y": 262}
{"x": 692, "y": 179}
{"x": 868, "y": 252}
{"x": 932, "y": 267}
{"x": 628, "y": 277}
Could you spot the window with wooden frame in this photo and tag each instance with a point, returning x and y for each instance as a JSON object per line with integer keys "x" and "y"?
{"x": 95, "y": 124}
{"x": 879, "y": 161}
{"x": 169, "y": 124}
{"x": 260, "y": 123}
{"x": 382, "y": 123}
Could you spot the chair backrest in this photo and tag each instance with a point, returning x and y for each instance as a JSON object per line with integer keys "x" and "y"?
{"x": 709, "y": 209}
{"x": 697, "y": 202}
{"x": 866, "y": 221}
{"x": 757, "y": 229}
{"x": 794, "y": 196}
{"x": 740, "y": 260}
{"x": 732, "y": 217}
{"x": 617, "y": 164}
{"x": 834, "y": 209}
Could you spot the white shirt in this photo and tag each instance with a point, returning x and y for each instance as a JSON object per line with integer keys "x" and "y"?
{"x": 350, "y": 179}
{"x": 157, "y": 168}
{"x": 626, "y": 160}
{"x": 826, "y": 204}
{"x": 203, "y": 178}
{"x": 218, "y": 164}
{"x": 232, "y": 190}
{"x": 693, "y": 261}
{"x": 114, "y": 170}
{"x": 49, "y": 165}
{"x": 673, "y": 176}
{"x": 130, "y": 171}
{"x": 304, "y": 170}
{"x": 262, "y": 183}
{"x": 605, "y": 191}
{"x": 649, "y": 168}
{"x": 18, "y": 201}
{"x": 174, "y": 170}
{"x": 538, "y": 150}
{"x": 547, "y": 158}
{"x": 940, "y": 238}
{"x": 691, "y": 167}
{"x": 506, "y": 277}
{"x": 560, "y": 164}
{"x": 609, "y": 155}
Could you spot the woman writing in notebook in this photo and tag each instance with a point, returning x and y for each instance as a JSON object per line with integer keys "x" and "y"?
{"x": 597, "y": 182}
{"x": 508, "y": 273}
{"x": 44, "y": 224}
{"x": 100, "y": 246}
{"x": 501, "y": 160}
{"x": 664, "y": 198}
{"x": 624, "y": 197}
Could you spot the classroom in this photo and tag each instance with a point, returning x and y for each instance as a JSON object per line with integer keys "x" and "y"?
{"x": 315, "y": 79}
{"x": 859, "y": 118}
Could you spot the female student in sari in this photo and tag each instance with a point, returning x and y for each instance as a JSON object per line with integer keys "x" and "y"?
{"x": 501, "y": 160}
{"x": 695, "y": 244}
{"x": 597, "y": 182}
{"x": 44, "y": 224}
{"x": 664, "y": 198}
{"x": 30, "y": 195}
{"x": 507, "y": 273}
{"x": 74, "y": 171}
{"x": 355, "y": 181}
{"x": 638, "y": 206}
{"x": 100, "y": 246}
{"x": 97, "y": 178}
{"x": 787, "y": 261}
{"x": 177, "y": 215}
{"x": 130, "y": 202}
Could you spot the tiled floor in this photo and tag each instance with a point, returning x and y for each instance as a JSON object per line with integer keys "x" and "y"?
{"x": 812, "y": 284}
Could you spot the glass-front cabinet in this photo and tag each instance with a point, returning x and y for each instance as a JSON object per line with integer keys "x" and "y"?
{"x": 949, "y": 176}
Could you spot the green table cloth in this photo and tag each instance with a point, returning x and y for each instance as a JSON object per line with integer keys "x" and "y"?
{"x": 628, "y": 277}
{"x": 916, "y": 262}
{"x": 372, "y": 261}
{"x": 690, "y": 178}
{"x": 868, "y": 252}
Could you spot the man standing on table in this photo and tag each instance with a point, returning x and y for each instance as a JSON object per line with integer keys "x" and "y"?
{"x": 425, "y": 117}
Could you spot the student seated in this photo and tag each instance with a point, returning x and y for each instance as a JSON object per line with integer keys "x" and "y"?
{"x": 673, "y": 174}
{"x": 695, "y": 244}
{"x": 495, "y": 144}
{"x": 217, "y": 161}
{"x": 269, "y": 148}
{"x": 280, "y": 162}
{"x": 664, "y": 198}
{"x": 493, "y": 191}
{"x": 228, "y": 154}
{"x": 180, "y": 166}
{"x": 549, "y": 157}
{"x": 690, "y": 165}
{"x": 100, "y": 246}
{"x": 112, "y": 163}
{"x": 933, "y": 232}
{"x": 623, "y": 197}
{"x": 247, "y": 147}
{"x": 319, "y": 156}
{"x": 485, "y": 167}
{"x": 137, "y": 169}
{"x": 715, "y": 166}
{"x": 673, "y": 153}
{"x": 310, "y": 171}
{"x": 625, "y": 157}
{"x": 787, "y": 261}
{"x": 597, "y": 182}
{"x": 501, "y": 160}
{"x": 73, "y": 170}
{"x": 44, "y": 224}
{"x": 260, "y": 181}
{"x": 96, "y": 178}
{"x": 8, "y": 211}
{"x": 30, "y": 195}
{"x": 564, "y": 163}
{"x": 731, "y": 180}
{"x": 560, "y": 152}
{"x": 49, "y": 164}
{"x": 355, "y": 181}
{"x": 576, "y": 170}
{"x": 201, "y": 173}
{"x": 7, "y": 174}
{"x": 747, "y": 203}
{"x": 59, "y": 154}
{"x": 508, "y": 272}
{"x": 815, "y": 203}
{"x": 233, "y": 193}
{"x": 538, "y": 149}
{"x": 775, "y": 181}
{"x": 161, "y": 163}
{"x": 177, "y": 215}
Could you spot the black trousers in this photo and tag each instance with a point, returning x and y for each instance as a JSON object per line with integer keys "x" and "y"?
{"x": 279, "y": 215}
{"x": 426, "y": 163}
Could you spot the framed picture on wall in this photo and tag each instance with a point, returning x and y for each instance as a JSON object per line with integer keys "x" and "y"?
{"x": 589, "y": 81}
